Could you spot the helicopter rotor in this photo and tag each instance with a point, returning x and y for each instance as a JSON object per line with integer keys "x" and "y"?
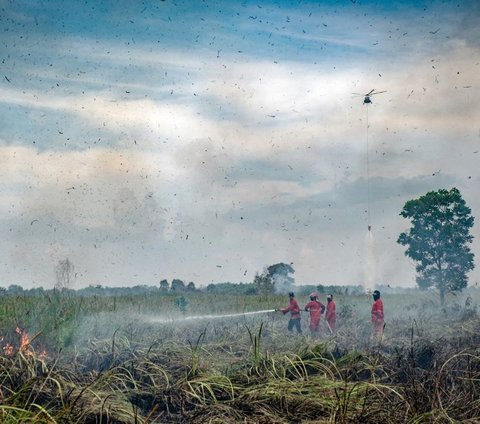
{"x": 370, "y": 93}
{"x": 366, "y": 96}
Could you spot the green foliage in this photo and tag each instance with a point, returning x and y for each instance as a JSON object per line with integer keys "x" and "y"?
{"x": 242, "y": 369}
{"x": 439, "y": 239}
{"x": 255, "y": 339}
{"x": 164, "y": 286}
{"x": 280, "y": 269}
{"x": 264, "y": 284}
{"x": 279, "y": 273}
{"x": 232, "y": 288}
{"x": 178, "y": 285}
{"x": 274, "y": 278}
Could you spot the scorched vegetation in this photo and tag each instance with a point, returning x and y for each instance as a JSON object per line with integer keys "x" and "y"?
{"x": 136, "y": 359}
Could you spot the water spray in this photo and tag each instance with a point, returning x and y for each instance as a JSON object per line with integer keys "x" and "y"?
{"x": 202, "y": 317}
{"x": 369, "y": 263}
{"x": 367, "y": 99}
{"x": 368, "y": 176}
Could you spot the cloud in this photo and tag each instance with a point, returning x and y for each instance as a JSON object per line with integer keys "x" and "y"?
{"x": 194, "y": 138}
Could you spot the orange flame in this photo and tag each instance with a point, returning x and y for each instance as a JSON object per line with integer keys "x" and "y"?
{"x": 24, "y": 342}
{"x": 8, "y": 349}
{"x": 25, "y": 346}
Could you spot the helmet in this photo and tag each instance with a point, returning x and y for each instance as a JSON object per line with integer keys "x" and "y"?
{"x": 291, "y": 294}
{"x": 313, "y": 295}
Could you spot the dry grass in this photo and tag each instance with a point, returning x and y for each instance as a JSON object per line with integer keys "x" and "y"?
{"x": 426, "y": 369}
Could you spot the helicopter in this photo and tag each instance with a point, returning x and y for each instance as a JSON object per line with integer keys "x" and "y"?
{"x": 366, "y": 101}
{"x": 366, "y": 97}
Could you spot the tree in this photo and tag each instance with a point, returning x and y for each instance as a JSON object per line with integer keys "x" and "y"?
{"x": 191, "y": 286}
{"x": 15, "y": 289}
{"x": 274, "y": 278}
{"x": 439, "y": 239}
{"x": 281, "y": 269}
{"x": 164, "y": 285}
{"x": 64, "y": 273}
{"x": 231, "y": 288}
{"x": 177, "y": 285}
{"x": 264, "y": 283}
{"x": 279, "y": 274}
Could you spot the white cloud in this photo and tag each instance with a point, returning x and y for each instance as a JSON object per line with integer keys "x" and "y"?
{"x": 240, "y": 136}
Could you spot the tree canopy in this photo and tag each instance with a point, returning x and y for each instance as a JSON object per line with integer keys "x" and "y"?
{"x": 280, "y": 269}
{"x": 274, "y": 278}
{"x": 438, "y": 240}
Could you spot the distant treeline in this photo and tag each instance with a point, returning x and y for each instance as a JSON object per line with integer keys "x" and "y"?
{"x": 178, "y": 286}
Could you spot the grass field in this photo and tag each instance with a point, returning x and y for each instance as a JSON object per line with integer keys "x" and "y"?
{"x": 136, "y": 359}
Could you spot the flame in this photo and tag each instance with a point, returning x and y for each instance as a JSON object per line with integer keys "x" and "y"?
{"x": 25, "y": 346}
{"x": 8, "y": 349}
{"x": 24, "y": 340}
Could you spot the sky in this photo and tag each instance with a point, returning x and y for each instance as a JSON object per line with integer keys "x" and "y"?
{"x": 205, "y": 140}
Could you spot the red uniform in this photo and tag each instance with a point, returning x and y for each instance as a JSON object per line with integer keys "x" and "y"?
{"x": 316, "y": 309}
{"x": 377, "y": 316}
{"x": 331, "y": 315}
{"x": 294, "y": 310}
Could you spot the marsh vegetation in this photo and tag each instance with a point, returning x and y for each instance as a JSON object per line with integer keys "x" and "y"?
{"x": 135, "y": 359}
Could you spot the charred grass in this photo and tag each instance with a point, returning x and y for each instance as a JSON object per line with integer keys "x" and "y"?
{"x": 117, "y": 366}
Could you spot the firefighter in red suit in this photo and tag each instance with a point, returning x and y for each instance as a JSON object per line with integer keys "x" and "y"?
{"x": 377, "y": 313}
{"x": 294, "y": 310}
{"x": 316, "y": 308}
{"x": 330, "y": 315}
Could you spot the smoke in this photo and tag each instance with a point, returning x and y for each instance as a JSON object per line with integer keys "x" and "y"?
{"x": 283, "y": 283}
{"x": 369, "y": 262}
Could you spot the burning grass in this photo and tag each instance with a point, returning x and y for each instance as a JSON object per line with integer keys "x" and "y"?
{"x": 118, "y": 367}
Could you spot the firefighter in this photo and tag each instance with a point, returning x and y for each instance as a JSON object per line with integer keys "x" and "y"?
{"x": 330, "y": 315}
{"x": 294, "y": 310}
{"x": 377, "y": 314}
{"x": 316, "y": 308}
